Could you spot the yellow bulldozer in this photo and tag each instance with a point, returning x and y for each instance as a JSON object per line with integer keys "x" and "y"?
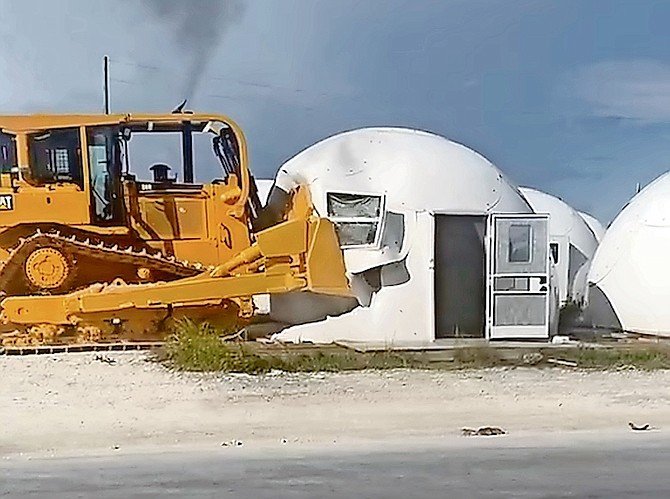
{"x": 91, "y": 254}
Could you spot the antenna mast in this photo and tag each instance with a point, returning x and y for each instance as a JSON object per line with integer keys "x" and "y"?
{"x": 106, "y": 88}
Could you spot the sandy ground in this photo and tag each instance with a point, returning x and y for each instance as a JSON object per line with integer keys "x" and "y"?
{"x": 73, "y": 403}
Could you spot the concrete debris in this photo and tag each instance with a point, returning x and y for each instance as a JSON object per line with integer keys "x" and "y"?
{"x": 105, "y": 359}
{"x": 532, "y": 358}
{"x": 560, "y": 362}
{"x": 561, "y": 340}
{"x": 483, "y": 431}
{"x": 232, "y": 443}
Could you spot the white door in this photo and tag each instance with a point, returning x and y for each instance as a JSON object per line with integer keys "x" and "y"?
{"x": 518, "y": 277}
{"x": 559, "y": 247}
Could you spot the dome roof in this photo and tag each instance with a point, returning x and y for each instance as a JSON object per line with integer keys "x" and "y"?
{"x": 631, "y": 267}
{"x": 416, "y": 170}
{"x": 564, "y": 220}
{"x": 594, "y": 224}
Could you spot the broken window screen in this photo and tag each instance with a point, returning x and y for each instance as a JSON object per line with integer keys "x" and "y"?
{"x": 357, "y": 217}
{"x": 519, "y": 243}
{"x": 353, "y": 205}
{"x": 356, "y": 233}
{"x": 62, "y": 161}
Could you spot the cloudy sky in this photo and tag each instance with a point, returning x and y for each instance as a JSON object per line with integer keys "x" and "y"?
{"x": 570, "y": 96}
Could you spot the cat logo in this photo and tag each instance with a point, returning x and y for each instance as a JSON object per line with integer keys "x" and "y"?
{"x": 6, "y": 202}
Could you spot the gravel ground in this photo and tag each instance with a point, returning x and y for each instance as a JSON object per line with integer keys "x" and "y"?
{"x": 73, "y": 403}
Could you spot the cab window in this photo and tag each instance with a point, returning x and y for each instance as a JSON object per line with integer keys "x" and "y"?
{"x": 7, "y": 152}
{"x": 55, "y": 156}
{"x": 105, "y": 167}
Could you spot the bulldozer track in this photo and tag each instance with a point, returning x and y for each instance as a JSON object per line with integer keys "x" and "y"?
{"x": 79, "y": 348}
{"x": 24, "y": 339}
{"x": 78, "y": 248}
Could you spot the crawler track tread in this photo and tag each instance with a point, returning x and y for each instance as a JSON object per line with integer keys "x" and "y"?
{"x": 97, "y": 250}
{"x": 89, "y": 347}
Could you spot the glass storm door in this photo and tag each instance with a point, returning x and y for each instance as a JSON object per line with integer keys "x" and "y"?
{"x": 517, "y": 304}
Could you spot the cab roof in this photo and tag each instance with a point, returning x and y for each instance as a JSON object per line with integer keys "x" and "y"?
{"x": 35, "y": 122}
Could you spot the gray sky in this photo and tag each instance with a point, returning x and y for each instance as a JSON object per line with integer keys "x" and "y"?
{"x": 571, "y": 96}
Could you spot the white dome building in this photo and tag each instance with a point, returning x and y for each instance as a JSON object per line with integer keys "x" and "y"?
{"x": 411, "y": 209}
{"x": 580, "y": 282}
{"x": 594, "y": 224}
{"x": 571, "y": 240}
{"x": 629, "y": 285}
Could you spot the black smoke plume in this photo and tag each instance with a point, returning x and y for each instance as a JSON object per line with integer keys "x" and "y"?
{"x": 197, "y": 27}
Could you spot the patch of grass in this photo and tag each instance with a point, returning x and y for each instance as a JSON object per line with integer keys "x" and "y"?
{"x": 477, "y": 357}
{"x": 198, "y": 347}
{"x": 389, "y": 359}
{"x": 345, "y": 360}
{"x": 647, "y": 357}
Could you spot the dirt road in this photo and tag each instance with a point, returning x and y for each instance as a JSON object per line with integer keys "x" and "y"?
{"x": 69, "y": 404}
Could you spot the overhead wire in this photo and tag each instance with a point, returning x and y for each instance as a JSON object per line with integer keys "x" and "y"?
{"x": 214, "y": 78}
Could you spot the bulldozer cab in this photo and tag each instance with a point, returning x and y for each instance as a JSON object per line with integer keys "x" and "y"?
{"x": 72, "y": 169}
{"x": 56, "y": 158}
{"x": 96, "y": 159}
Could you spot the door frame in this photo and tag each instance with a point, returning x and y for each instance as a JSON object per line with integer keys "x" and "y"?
{"x": 562, "y": 268}
{"x": 435, "y": 215}
{"x": 515, "y": 331}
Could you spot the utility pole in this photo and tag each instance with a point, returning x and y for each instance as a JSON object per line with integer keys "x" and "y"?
{"x": 106, "y": 82}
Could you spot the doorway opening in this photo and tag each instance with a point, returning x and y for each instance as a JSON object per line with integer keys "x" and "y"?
{"x": 460, "y": 276}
